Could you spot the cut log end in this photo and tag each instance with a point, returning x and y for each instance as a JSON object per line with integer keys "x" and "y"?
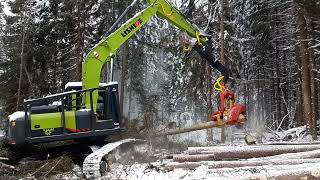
{"x": 250, "y": 140}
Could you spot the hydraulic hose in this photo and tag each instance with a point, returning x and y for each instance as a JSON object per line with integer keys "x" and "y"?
{"x": 115, "y": 24}
{"x": 206, "y": 53}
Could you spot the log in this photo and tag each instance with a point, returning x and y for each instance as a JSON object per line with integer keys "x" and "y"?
{"x": 260, "y": 148}
{"x": 299, "y": 155}
{"x": 265, "y": 169}
{"x": 196, "y": 127}
{"x": 240, "y": 152}
{"x": 293, "y": 143}
{"x": 282, "y": 172}
{"x": 288, "y": 174}
{"x": 236, "y": 164}
{"x": 196, "y": 157}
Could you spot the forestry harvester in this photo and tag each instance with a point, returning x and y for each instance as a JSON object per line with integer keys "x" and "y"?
{"x": 90, "y": 109}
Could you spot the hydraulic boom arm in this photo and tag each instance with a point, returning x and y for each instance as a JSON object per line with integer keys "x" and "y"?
{"x": 108, "y": 46}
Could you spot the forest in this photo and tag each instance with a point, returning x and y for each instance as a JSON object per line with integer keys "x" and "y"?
{"x": 271, "y": 47}
{"x": 158, "y": 95}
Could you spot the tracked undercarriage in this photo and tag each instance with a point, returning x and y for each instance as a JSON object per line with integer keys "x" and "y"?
{"x": 95, "y": 163}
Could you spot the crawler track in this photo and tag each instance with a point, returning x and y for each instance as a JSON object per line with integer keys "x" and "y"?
{"x": 91, "y": 164}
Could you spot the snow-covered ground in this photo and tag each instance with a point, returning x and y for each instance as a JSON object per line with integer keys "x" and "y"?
{"x": 150, "y": 171}
{"x": 146, "y": 161}
{"x": 155, "y": 170}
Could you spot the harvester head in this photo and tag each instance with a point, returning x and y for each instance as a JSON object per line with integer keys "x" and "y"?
{"x": 229, "y": 113}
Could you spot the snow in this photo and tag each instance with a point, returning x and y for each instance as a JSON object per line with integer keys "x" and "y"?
{"x": 110, "y": 83}
{"x": 56, "y": 103}
{"x": 7, "y": 9}
{"x": 84, "y": 110}
{"x": 1, "y": 134}
{"x": 297, "y": 134}
{"x": 60, "y": 94}
{"x": 79, "y": 84}
{"x": 16, "y": 115}
{"x": 53, "y": 95}
{"x": 148, "y": 171}
{"x": 94, "y": 148}
{"x": 44, "y": 3}
{"x": 66, "y": 176}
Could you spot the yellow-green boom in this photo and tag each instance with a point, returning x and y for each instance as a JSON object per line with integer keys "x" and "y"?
{"x": 108, "y": 46}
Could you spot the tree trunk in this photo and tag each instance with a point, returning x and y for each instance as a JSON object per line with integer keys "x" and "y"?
{"x": 222, "y": 59}
{"x": 21, "y": 65}
{"x": 124, "y": 72}
{"x": 190, "y": 9}
{"x": 80, "y": 38}
{"x": 299, "y": 102}
{"x": 209, "y": 101}
{"x": 314, "y": 103}
{"x": 305, "y": 73}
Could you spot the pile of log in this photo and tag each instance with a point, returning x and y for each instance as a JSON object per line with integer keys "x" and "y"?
{"x": 220, "y": 158}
